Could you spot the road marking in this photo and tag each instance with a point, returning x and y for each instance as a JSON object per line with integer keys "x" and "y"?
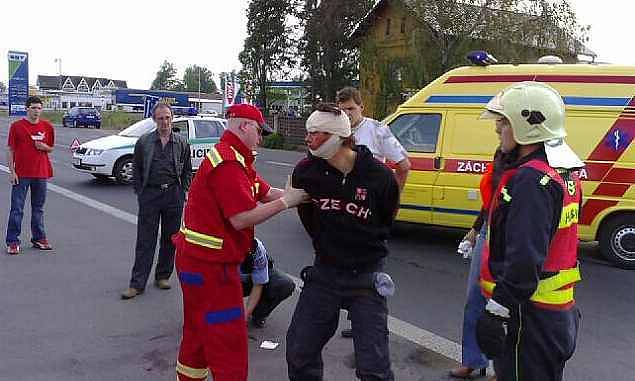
{"x": 408, "y": 331}
{"x": 280, "y": 164}
{"x": 118, "y": 213}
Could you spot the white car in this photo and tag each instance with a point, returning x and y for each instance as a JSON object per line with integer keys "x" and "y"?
{"x": 112, "y": 156}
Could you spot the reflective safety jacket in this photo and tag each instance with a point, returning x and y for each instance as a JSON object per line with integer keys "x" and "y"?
{"x": 205, "y": 232}
{"x": 517, "y": 262}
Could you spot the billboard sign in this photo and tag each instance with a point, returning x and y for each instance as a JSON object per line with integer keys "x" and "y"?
{"x": 132, "y": 97}
{"x": 18, "y": 82}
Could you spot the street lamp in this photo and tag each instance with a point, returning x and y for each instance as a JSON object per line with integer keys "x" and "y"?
{"x": 58, "y": 61}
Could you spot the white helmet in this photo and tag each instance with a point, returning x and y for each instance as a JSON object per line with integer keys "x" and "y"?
{"x": 536, "y": 114}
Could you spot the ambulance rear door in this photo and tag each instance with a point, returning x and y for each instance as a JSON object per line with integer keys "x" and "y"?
{"x": 468, "y": 148}
{"x": 419, "y": 131}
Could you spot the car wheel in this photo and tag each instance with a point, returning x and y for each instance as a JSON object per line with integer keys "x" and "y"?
{"x": 617, "y": 240}
{"x": 123, "y": 171}
{"x": 76, "y": 124}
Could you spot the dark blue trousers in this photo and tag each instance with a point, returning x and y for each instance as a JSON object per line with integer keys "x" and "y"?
{"x": 538, "y": 344}
{"x": 18, "y": 198}
{"x": 316, "y": 318}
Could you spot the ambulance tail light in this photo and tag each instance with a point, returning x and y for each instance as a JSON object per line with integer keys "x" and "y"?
{"x": 481, "y": 58}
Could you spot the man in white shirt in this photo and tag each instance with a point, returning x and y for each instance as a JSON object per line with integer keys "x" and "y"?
{"x": 373, "y": 134}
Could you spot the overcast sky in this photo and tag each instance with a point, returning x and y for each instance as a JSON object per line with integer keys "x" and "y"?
{"x": 129, "y": 40}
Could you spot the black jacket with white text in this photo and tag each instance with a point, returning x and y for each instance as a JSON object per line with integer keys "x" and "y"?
{"x": 349, "y": 217}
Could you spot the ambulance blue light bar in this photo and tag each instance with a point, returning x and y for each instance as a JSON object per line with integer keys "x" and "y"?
{"x": 481, "y": 58}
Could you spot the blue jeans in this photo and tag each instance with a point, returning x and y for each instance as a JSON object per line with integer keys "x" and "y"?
{"x": 474, "y": 306}
{"x": 18, "y": 196}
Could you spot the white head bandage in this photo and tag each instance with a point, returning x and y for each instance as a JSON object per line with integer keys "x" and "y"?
{"x": 323, "y": 121}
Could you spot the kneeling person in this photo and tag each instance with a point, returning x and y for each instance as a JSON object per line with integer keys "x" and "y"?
{"x": 264, "y": 286}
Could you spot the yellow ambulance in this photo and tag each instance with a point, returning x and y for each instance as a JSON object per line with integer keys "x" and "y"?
{"x": 450, "y": 148}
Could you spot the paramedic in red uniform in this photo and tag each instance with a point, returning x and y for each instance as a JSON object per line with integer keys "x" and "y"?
{"x": 226, "y": 199}
{"x": 529, "y": 264}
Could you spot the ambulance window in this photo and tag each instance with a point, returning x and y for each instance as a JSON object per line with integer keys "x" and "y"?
{"x": 181, "y": 126}
{"x": 208, "y": 128}
{"x": 417, "y": 132}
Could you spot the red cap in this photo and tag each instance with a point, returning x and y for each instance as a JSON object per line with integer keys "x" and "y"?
{"x": 247, "y": 111}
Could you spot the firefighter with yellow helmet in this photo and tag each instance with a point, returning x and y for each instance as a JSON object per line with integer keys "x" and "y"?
{"x": 529, "y": 263}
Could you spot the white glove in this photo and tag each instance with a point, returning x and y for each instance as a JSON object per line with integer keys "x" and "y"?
{"x": 497, "y": 309}
{"x": 293, "y": 197}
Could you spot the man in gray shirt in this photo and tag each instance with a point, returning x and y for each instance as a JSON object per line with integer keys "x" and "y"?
{"x": 162, "y": 176}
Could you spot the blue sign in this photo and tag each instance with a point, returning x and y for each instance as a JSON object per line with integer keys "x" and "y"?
{"x": 18, "y": 82}
{"x": 134, "y": 97}
{"x": 148, "y": 105}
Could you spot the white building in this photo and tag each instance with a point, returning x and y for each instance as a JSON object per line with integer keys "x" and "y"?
{"x": 61, "y": 92}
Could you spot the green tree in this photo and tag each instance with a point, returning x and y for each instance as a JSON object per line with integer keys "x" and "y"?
{"x": 329, "y": 57}
{"x": 195, "y": 74}
{"x": 270, "y": 48}
{"x": 511, "y": 25}
{"x": 444, "y": 31}
{"x": 166, "y": 78}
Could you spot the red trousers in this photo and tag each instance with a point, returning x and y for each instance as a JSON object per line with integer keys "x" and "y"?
{"x": 214, "y": 329}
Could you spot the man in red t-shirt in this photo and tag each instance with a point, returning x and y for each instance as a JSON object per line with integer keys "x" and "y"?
{"x": 226, "y": 200}
{"x": 30, "y": 141}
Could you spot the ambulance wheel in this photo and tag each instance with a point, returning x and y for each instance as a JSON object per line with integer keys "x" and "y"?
{"x": 617, "y": 241}
{"x": 123, "y": 170}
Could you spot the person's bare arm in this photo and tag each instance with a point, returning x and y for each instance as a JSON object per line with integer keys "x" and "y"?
{"x": 41, "y": 146}
{"x": 273, "y": 194}
{"x": 401, "y": 172}
{"x": 291, "y": 197}
{"x": 253, "y": 299}
{"x": 259, "y": 214}
{"x": 13, "y": 177}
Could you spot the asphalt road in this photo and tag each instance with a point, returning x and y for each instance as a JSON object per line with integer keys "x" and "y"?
{"x": 43, "y": 297}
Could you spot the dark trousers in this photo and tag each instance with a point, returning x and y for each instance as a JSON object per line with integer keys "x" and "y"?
{"x": 156, "y": 206}
{"x": 538, "y": 344}
{"x": 316, "y": 318}
{"x": 18, "y": 198}
{"x": 279, "y": 287}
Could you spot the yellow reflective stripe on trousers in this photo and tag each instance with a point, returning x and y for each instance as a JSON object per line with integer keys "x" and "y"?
{"x": 214, "y": 157}
{"x": 191, "y": 372}
{"x": 548, "y": 290}
{"x": 202, "y": 239}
